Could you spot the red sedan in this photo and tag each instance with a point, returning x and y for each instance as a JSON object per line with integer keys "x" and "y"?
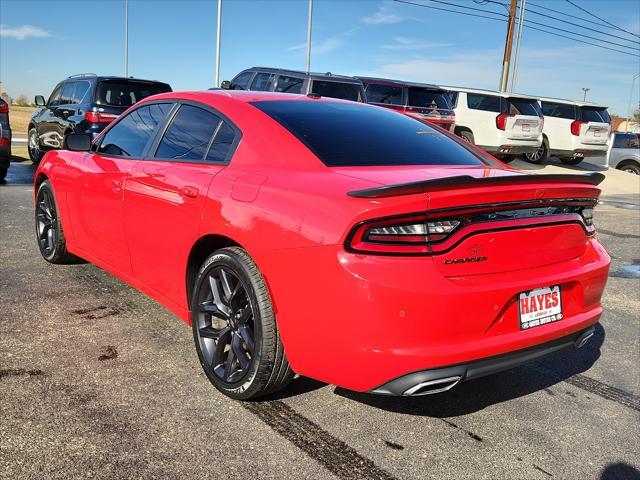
{"x": 341, "y": 241}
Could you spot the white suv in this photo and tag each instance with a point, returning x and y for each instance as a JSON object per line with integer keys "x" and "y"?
{"x": 501, "y": 123}
{"x": 572, "y": 131}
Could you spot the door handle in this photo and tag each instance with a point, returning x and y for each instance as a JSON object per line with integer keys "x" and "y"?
{"x": 189, "y": 191}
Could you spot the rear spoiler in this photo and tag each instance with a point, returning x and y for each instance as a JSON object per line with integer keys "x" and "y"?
{"x": 467, "y": 181}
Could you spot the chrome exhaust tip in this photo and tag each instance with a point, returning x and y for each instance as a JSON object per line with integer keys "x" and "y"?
{"x": 433, "y": 386}
{"x": 584, "y": 338}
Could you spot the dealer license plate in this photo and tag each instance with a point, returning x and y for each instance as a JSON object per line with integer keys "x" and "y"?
{"x": 539, "y": 307}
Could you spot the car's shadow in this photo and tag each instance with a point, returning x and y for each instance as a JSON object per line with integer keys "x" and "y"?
{"x": 475, "y": 395}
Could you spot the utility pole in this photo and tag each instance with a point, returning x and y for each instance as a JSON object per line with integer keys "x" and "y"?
{"x": 519, "y": 39}
{"x": 218, "y": 33}
{"x": 309, "y": 20}
{"x": 585, "y": 90}
{"x": 507, "y": 47}
{"x": 633, "y": 80}
{"x": 126, "y": 38}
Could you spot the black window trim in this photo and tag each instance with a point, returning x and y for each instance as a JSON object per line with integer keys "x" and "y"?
{"x": 155, "y": 144}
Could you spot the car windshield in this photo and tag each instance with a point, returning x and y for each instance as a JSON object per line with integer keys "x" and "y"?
{"x": 345, "y": 91}
{"x": 125, "y": 94}
{"x": 349, "y": 134}
{"x": 429, "y": 98}
{"x": 594, "y": 114}
{"x": 524, "y": 106}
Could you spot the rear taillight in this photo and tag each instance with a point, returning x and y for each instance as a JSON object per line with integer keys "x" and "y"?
{"x": 400, "y": 235}
{"x": 501, "y": 120}
{"x": 4, "y": 107}
{"x": 99, "y": 117}
{"x": 4, "y": 141}
{"x": 575, "y": 127}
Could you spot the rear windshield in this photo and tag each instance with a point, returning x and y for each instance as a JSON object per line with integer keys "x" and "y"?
{"x": 345, "y": 91}
{"x": 343, "y": 134}
{"x": 522, "y": 106}
{"x": 591, "y": 114}
{"x": 125, "y": 94}
{"x": 424, "y": 97}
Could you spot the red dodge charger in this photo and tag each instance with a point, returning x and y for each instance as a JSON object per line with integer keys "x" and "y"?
{"x": 341, "y": 241}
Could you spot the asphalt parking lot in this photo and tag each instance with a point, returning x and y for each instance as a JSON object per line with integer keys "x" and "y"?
{"x": 99, "y": 381}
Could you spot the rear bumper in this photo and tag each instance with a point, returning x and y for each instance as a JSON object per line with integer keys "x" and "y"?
{"x": 442, "y": 379}
{"x": 583, "y": 151}
{"x": 514, "y": 148}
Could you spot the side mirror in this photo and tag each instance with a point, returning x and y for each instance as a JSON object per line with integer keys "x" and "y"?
{"x": 40, "y": 101}
{"x": 77, "y": 142}
{"x": 225, "y": 85}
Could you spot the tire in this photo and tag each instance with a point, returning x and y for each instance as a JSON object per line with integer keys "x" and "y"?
{"x": 3, "y": 173}
{"x": 630, "y": 167}
{"x": 540, "y": 156}
{"x": 35, "y": 153}
{"x": 468, "y": 136}
{"x": 571, "y": 160}
{"x": 49, "y": 233}
{"x": 231, "y": 307}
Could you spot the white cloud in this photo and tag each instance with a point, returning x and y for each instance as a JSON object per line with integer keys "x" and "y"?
{"x": 407, "y": 44}
{"x": 23, "y": 31}
{"x": 384, "y": 15}
{"x": 319, "y": 48}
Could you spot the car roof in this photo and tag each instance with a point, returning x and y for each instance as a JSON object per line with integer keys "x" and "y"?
{"x": 572, "y": 102}
{"x": 245, "y": 96}
{"x": 90, "y": 76}
{"x": 324, "y": 76}
{"x": 402, "y": 83}
{"x": 490, "y": 92}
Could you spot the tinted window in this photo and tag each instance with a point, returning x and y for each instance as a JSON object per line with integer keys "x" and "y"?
{"x": 241, "y": 82}
{"x": 590, "y": 114}
{"x": 54, "y": 99}
{"x": 262, "y": 82}
{"x": 453, "y": 98}
{"x": 345, "y": 134}
{"x": 425, "y": 97}
{"x": 559, "y": 110}
{"x": 488, "y": 103}
{"x": 288, "y": 84}
{"x": 389, "y": 94}
{"x": 221, "y": 145}
{"x": 521, "y": 106}
{"x": 129, "y": 137}
{"x": 67, "y": 93}
{"x": 189, "y": 134}
{"x": 80, "y": 91}
{"x": 346, "y": 91}
{"x": 626, "y": 140}
{"x": 125, "y": 94}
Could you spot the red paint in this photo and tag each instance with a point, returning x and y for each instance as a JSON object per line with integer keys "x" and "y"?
{"x": 352, "y": 319}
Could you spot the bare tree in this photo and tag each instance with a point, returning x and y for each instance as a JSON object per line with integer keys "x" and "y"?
{"x": 22, "y": 101}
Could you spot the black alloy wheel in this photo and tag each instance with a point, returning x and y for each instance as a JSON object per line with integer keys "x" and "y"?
{"x": 35, "y": 153}
{"x": 49, "y": 233}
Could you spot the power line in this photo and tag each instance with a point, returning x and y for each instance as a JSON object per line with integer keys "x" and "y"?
{"x": 455, "y": 11}
{"x": 602, "y": 19}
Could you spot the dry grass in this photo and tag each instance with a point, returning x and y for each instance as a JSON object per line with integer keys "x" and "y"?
{"x": 19, "y": 118}
{"x": 19, "y": 154}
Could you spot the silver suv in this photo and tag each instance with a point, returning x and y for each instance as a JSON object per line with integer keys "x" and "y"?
{"x": 624, "y": 152}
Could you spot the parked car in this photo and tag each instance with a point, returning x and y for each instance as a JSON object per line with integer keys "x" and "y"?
{"x": 572, "y": 131}
{"x": 425, "y": 102}
{"x": 338, "y": 240}
{"x": 5, "y": 139}
{"x": 264, "y": 79}
{"x": 84, "y": 103}
{"x": 624, "y": 152}
{"x": 504, "y": 124}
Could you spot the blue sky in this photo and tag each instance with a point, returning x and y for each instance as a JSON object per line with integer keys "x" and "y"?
{"x": 42, "y": 42}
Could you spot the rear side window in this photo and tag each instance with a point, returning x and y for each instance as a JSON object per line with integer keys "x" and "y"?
{"x": 286, "y": 84}
{"x": 189, "y": 134}
{"x": 129, "y": 137}
{"x": 628, "y": 140}
{"x": 222, "y": 143}
{"x": 591, "y": 114}
{"x": 559, "y": 110}
{"x": 67, "y": 93}
{"x": 80, "y": 91}
{"x": 425, "y": 97}
{"x": 350, "y": 134}
{"x": 262, "y": 82}
{"x": 488, "y": 103}
{"x": 387, "y": 94}
{"x": 521, "y": 106}
{"x": 453, "y": 98}
{"x": 345, "y": 91}
{"x": 241, "y": 82}
{"x": 125, "y": 94}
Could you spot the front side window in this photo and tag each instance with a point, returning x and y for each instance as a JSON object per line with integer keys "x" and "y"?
{"x": 129, "y": 137}
{"x": 241, "y": 82}
{"x": 54, "y": 99}
{"x": 385, "y": 94}
{"x": 352, "y": 134}
{"x": 67, "y": 93}
{"x": 287, "y": 84}
{"x": 559, "y": 110}
{"x": 428, "y": 98}
{"x": 345, "y": 91}
{"x": 524, "y": 106}
{"x": 189, "y": 135}
{"x": 262, "y": 82}
{"x": 488, "y": 103}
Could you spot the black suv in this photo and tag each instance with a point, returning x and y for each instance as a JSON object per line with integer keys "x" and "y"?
{"x": 84, "y": 103}
{"x": 294, "y": 81}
